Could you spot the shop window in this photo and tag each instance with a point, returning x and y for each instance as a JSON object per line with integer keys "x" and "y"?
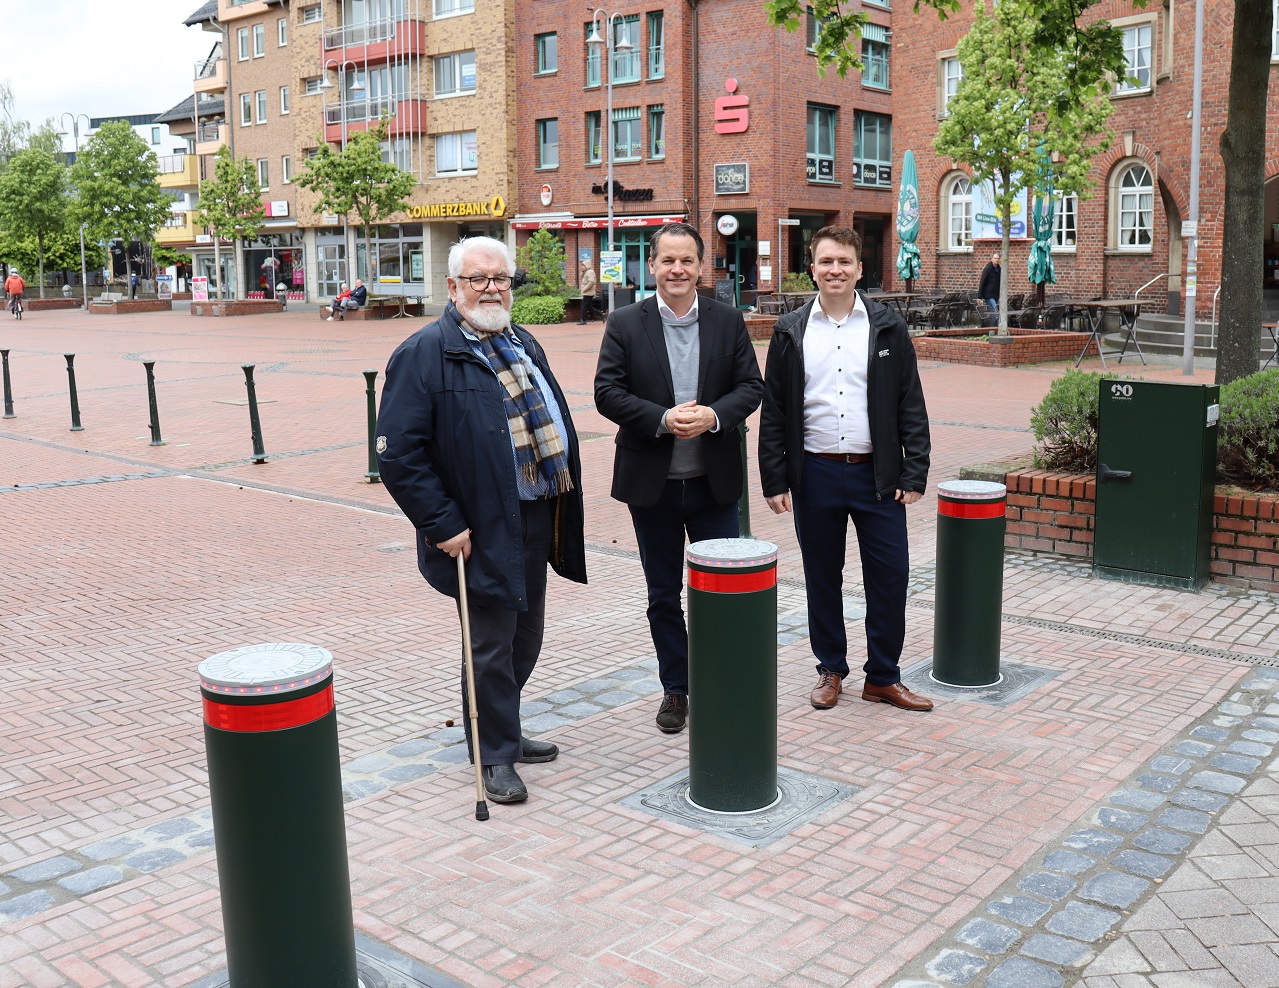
{"x": 873, "y": 149}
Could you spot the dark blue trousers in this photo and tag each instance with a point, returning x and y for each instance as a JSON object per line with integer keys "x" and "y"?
{"x": 685, "y": 506}
{"x": 833, "y": 492}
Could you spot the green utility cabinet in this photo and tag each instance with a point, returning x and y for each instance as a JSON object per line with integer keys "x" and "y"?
{"x": 1156, "y": 462}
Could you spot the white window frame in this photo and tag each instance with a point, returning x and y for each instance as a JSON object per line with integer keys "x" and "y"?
{"x": 657, "y": 48}
{"x": 282, "y": 32}
{"x": 311, "y": 85}
{"x": 246, "y": 109}
{"x": 950, "y": 70}
{"x": 264, "y": 174}
{"x": 284, "y": 101}
{"x": 873, "y": 56}
{"x": 1274, "y": 33}
{"x": 594, "y": 151}
{"x": 454, "y": 60}
{"x": 632, "y": 120}
{"x": 312, "y": 14}
{"x": 242, "y": 49}
{"x": 548, "y": 152}
{"x": 1133, "y": 47}
{"x": 259, "y": 40}
{"x": 1135, "y": 202}
{"x": 259, "y": 100}
{"x": 452, "y": 8}
{"x": 463, "y": 167}
{"x": 656, "y": 115}
{"x": 957, "y": 199}
{"x": 1065, "y": 204}
{"x": 286, "y": 169}
{"x": 155, "y": 135}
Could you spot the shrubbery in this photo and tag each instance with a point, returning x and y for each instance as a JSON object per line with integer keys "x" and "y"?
{"x": 797, "y": 281}
{"x": 538, "y": 310}
{"x": 1065, "y": 423}
{"x": 1248, "y": 434}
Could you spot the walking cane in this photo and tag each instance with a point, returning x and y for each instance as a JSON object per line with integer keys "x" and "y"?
{"x": 481, "y": 807}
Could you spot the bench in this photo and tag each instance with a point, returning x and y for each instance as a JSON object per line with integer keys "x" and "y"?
{"x": 106, "y": 298}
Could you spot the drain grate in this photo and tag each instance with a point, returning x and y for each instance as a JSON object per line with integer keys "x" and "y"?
{"x": 1016, "y": 681}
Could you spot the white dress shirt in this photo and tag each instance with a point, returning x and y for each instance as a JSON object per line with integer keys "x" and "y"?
{"x": 836, "y": 419}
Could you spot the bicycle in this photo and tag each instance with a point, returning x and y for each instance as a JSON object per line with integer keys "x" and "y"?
{"x": 15, "y": 306}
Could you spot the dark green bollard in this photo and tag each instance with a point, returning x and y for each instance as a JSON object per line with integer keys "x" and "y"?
{"x": 732, "y": 674}
{"x": 370, "y": 390}
{"x": 275, "y": 782}
{"x": 155, "y": 408}
{"x": 744, "y": 502}
{"x": 75, "y": 401}
{"x": 970, "y": 582}
{"x": 8, "y": 388}
{"x": 255, "y": 424}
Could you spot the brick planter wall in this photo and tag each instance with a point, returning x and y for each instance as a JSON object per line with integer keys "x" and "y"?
{"x": 1027, "y": 346}
{"x": 1053, "y": 512}
{"x": 760, "y": 327}
{"x": 40, "y": 304}
{"x": 129, "y": 306}
{"x": 235, "y": 307}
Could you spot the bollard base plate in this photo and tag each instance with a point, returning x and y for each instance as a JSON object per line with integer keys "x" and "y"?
{"x": 377, "y": 966}
{"x": 800, "y": 797}
{"x": 1016, "y": 680}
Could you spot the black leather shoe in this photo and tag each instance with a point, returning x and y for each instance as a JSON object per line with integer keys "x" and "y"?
{"x": 503, "y": 785}
{"x": 673, "y": 714}
{"x": 537, "y": 751}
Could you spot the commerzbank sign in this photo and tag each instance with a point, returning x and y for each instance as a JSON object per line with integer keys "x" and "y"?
{"x": 493, "y": 208}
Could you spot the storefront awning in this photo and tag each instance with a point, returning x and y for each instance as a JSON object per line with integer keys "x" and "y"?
{"x": 590, "y": 222}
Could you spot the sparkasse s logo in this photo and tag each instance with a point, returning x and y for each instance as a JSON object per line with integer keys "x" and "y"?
{"x": 732, "y": 113}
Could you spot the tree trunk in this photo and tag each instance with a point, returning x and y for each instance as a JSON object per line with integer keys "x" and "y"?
{"x": 40, "y": 256}
{"x": 1006, "y": 218}
{"x": 217, "y": 266}
{"x": 240, "y": 273}
{"x": 1243, "y": 149}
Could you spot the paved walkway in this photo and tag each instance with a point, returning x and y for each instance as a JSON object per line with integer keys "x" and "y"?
{"x": 1113, "y": 827}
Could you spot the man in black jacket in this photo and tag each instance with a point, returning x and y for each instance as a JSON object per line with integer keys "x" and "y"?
{"x": 844, "y": 433}
{"x": 988, "y": 287}
{"x": 475, "y": 443}
{"x": 678, "y": 374}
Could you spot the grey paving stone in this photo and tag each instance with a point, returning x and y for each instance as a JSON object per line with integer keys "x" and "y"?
{"x": 1270, "y": 723}
{"x": 1234, "y": 709}
{"x": 169, "y": 829}
{"x": 1231, "y": 931}
{"x": 412, "y": 748}
{"x": 1166, "y": 763}
{"x": 1021, "y": 909}
{"x": 1138, "y": 799}
{"x": 955, "y": 967}
{"x": 1122, "y": 820}
{"x": 153, "y": 860}
{"x": 992, "y": 938}
{"x": 449, "y": 735}
{"x": 1197, "y": 799}
{"x": 1142, "y": 863}
{"x": 595, "y": 685}
{"x": 615, "y": 698}
{"x": 361, "y": 788}
{"x": 1158, "y": 781}
{"x": 27, "y": 904}
{"x": 584, "y": 708}
{"x": 1191, "y": 821}
{"x": 409, "y": 771}
{"x": 46, "y": 870}
{"x": 1114, "y": 888}
{"x": 92, "y": 880}
{"x": 368, "y": 763}
{"x": 531, "y": 708}
{"x": 1272, "y": 709}
{"x": 4, "y": 889}
{"x": 112, "y": 847}
{"x": 201, "y": 840}
{"x": 1265, "y": 737}
{"x": 1201, "y": 903}
{"x": 1250, "y": 748}
{"x": 1216, "y": 782}
{"x": 564, "y": 696}
{"x": 1210, "y": 733}
{"x": 1055, "y": 887}
{"x": 455, "y": 755}
{"x": 1234, "y": 763}
{"x": 1056, "y": 950}
{"x": 1097, "y": 841}
{"x": 1018, "y": 972}
{"x": 1082, "y": 921}
{"x": 1068, "y": 863}
{"x": 1194, "y": 749}
{"x": 628, "y": 675}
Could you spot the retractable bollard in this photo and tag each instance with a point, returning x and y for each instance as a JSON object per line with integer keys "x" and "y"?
{"x": 75, "y": 399}
{"x": 732, "y": 674}
{"x": 373, "y": 476}
{"x": 255, "y": 423}
{"x": 270, "y": 729}
{"x": 8, "y": 388}
{"x": 970, "y": 582}
{"x": 154, "y": 405}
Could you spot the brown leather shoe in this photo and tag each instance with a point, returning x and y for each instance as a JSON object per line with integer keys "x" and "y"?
{"x": 896, "y": 694}
{"x": 826, "y": 693}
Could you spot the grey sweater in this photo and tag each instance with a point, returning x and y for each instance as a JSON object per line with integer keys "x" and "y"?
{"x": 683, "y": 347}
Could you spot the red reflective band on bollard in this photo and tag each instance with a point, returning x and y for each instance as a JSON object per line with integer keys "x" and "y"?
{"x": 971, "y": 509}
{"x": 730, "y": 582}
{"x": 268, "y": 716}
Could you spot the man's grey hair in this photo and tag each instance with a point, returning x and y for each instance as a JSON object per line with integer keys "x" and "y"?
{"x": 486, "y": 245}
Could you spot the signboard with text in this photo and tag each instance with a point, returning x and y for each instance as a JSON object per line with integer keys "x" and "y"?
{"x": 199, "y": 289}
{"x": 732, "y": 179}
{"x": 611, "y": 267}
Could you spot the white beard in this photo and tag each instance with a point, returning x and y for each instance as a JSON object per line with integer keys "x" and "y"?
{"x": 485, "y": 318}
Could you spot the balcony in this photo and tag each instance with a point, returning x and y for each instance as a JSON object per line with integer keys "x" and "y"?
{"x": 210, "y": 75}
{"x": 377, "y": 41}
{"x": 178, "y": 171}
{"x": 180, "y": 229}
{"x": 211, "y": 136}
{"x": 404, "y": 116}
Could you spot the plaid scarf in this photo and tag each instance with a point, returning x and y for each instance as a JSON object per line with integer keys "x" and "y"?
{"x": 539, "y": 447}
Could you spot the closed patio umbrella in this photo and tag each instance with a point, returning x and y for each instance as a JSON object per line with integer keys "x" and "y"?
{"x": 1039, "y": 266}
{"x": 908, "y": 262}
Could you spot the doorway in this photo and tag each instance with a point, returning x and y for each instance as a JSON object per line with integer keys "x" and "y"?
{"x": 743, "y": 261}
{"x": 871, "y": 231}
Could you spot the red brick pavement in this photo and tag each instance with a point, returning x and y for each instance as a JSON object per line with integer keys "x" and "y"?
{"x": 113, "y": 593}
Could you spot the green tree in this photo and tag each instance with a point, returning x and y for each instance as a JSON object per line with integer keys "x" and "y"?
{"x": 357, "y": 180}
{"x": 1013, "y": 106}
{"x": 33, "y": 199}
{"x": 542, "y": 259}
{"x": 61, "y": 251}
{"x": 230, "y": 204}
{"x": 114, "y": 187}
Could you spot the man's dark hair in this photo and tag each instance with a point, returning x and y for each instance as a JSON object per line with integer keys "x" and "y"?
{"x": 676, "y": 230}
{"x": 845, "y": 235}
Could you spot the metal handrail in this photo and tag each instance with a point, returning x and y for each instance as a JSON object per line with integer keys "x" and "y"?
{"x": 360, "y": 34}
{"x": 1138, "y": 292}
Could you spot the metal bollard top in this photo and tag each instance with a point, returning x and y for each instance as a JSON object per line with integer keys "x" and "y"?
{"x": 269, "y": 668}
{"x": 972, "y": 490}
{"x": 731, "y": 553}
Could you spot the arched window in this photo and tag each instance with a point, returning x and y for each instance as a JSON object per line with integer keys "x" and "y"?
{"x": 1134, "y": 208}
{"x": 958, "y": 198}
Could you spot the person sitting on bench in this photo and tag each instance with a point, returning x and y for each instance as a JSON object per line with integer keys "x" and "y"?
{"x": 348, "y": 298}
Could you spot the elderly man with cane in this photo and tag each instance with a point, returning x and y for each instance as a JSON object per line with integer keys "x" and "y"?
{"x": 475, "y": 443}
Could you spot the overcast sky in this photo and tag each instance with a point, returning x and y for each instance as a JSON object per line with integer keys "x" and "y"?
{"x": 98, "y": 58}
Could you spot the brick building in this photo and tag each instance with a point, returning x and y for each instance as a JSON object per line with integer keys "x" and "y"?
{"x": 718, "y": 119}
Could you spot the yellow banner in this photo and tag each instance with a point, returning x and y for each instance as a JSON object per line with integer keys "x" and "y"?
{"x": 495, "y": 207}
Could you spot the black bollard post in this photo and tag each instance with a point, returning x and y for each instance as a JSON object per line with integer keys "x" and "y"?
{"x": 8, "y": 389}
{"x": 370, "y": 379}
{"x": 255, "y": 424}
{"x": 75, "y": 402}
{"x": 275, "y": 784}
{"x": 155, "y": 408}
{"x": 744, "y": 502}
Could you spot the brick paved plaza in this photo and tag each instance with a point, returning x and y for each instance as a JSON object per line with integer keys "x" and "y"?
{"x": 1117, "y": 826}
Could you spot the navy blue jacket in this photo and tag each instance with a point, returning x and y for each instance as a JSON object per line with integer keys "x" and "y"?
{"x": 444, "y": 453}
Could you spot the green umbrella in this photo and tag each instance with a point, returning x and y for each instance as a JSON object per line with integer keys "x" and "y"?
{"x": 1039, "y": 267}
{"x": 908, "y": 263}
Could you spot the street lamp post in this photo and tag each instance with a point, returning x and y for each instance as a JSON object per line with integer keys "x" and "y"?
{"x": 356, "y": 86}
{"x": 75, "y": 130}
{"x": 611, "y": 46}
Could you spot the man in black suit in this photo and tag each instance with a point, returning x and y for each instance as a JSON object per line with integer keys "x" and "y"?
{"x": 678, "y": 374}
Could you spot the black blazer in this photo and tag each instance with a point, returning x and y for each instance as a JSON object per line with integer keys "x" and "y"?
{"x": 633, "y": 388}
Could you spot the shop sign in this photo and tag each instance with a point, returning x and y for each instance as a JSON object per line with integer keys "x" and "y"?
{"x": 277, "y": 207}
{"x": 547, "y": 195}
{"x": 623, "y": 194}
{"x": 199, "y": 289}
{"x": 727, "y": 224}
{"x": 595, "y": 223}
{"x": 732, "y": 112}
{"x": 732, "y": 179}
{"x": 494, "y": 207}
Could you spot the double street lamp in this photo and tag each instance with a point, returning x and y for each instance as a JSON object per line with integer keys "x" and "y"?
{"x": 75, "y": 130}
{"x": 611, "y": 46}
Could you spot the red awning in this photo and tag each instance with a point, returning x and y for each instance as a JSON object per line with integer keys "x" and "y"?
{"x": 594, "y": 222}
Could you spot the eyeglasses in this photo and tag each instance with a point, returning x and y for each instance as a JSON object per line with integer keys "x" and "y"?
{"x": 480, "y": 282}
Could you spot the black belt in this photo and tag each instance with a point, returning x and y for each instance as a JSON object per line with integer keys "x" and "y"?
{"x": 844, "y": 457}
